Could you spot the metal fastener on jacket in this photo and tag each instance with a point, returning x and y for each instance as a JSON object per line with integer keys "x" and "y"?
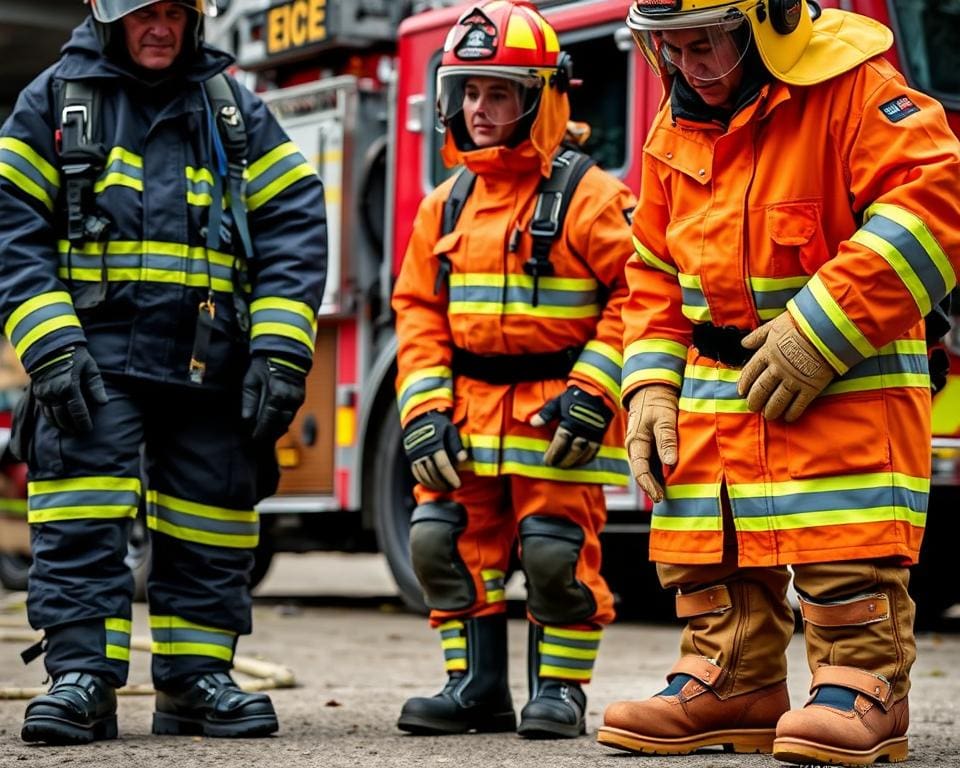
{"x": 702, "y": 172}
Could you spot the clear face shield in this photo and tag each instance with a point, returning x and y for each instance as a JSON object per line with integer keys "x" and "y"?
{"x": 108, "y": 11}
{"x": 704, "y": 46}
{"x": 494, "y": 97}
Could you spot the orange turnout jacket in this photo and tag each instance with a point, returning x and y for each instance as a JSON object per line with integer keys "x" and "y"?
{"x": 839, "y": 203}
{"x": 488, "y": 308}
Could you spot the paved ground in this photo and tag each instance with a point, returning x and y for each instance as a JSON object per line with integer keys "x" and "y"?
{"x": 356, "y": 656}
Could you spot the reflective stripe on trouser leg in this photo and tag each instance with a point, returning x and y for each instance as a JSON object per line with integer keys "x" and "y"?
{"x": 567, "y": 654}
{"x": 98, "y": 646}
{"x": 453, "y": 640}
{"x": 738, "y": 617}
{"x": 859, "y": 614}
{"x": 175, "y": 636}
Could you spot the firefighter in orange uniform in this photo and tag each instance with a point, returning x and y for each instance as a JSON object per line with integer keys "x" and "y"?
{"x": 800, "y": 209}
{"x": 508, "y": 384}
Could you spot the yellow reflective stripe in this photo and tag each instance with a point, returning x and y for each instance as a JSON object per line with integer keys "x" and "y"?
{"x": 245, "y": 541}
{"x": 192, "y": 649}
{"x": 565, "y": 475}
{"x": 135, "y": 274}
{"x": 287, "y": 305}
{"x": 117, "y": 652}
{"x": 653, "y": 374}
{"x": 663, "y": 346}
{"x": 898, "y": 264}
{"x": 28, "y": 153}
{"x": 491, "y": 280}
{"x": 43, "y": 329}
{"x": 838, "y": 317}
{"x": 94, "y": 483}
{"x": 454, "y": 642}
{"x": 647, "y": 257}
{"x": 56, "y": 514}
{"x": 202, "y": 510}
{"x": 565, "y": 651}
{"x": 946, "y": 408}
{"x": 664, "y": 523}
{"x": 841, "y": 483}
{"x": 433, "y": 372}
{"x": 549, "y": 670}
{"x": 117, "y": 179}
{"x": 778, "y": 283}
{"x": 573, "y": 634}
{"x": 119, "y": 625}
{"x": 277, "y": 186}
{"x": 422, "y": 397}
{"x": 158, "y": 621}
{"x": 199, "y": 175}
{"x": 496, "y": 596}
{"x": 918, "y": 228}
{"x": 519, "y": 308}
{"x": 26, "y": 184}
{"x": 488, "y": 574}
{"x": 265, "y": 162}
{"x": 448, "y": 625}
{"x": 124, "y": 156}
{"x": 150, "y": 247}
{"x": 831, "y": 517}
{"x": 709, "y": 405}
{"x": 31, "y": 305}
{"x": 282, "y": 329}
{"x": 455, "y": 665}
{"x": 881, "y": 381}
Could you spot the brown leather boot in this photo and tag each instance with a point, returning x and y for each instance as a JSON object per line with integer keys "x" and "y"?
{"x": 845, "y": 722}
{"x": 688, "y": 715}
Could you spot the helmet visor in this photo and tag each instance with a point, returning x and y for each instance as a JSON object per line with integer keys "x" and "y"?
{"x": 704, "y": 46}
{"x": 108, "y": 11}
{"x": 495, "y": 96}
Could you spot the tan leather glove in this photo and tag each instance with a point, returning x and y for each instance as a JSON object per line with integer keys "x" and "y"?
{"x": 785, "y": 374}
{"x": 652, "y": 427}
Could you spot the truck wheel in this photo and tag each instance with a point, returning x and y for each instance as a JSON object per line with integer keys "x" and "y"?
{"x": 13, "y": 571}
{"x": 391, "y": 493}
{"x": 932, "y": 580}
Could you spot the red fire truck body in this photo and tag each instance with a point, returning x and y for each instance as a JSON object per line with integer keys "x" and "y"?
{"x": 353, "y": 83}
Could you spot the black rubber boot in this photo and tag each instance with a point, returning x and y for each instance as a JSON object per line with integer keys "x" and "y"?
{"x": 213, "y": 705}
{"x": 477, "y": 699}
{"x": 78, "y": 708}
{"x": 557, "y": 708}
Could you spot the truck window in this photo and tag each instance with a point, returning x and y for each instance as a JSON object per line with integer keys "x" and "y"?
{"x": 603, "y": 101}
{"x": 928, "y": 40}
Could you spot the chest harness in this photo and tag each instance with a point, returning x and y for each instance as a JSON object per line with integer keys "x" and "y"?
{"x": 78, "y": 107}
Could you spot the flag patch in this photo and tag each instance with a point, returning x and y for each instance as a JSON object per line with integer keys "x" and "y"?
{"x": 897, "y": 109}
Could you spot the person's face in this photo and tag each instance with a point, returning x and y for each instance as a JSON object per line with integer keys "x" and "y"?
{"x": 154, "y": 34}
{"x": 712, "y": 64}
{"x": 491, "y": 108}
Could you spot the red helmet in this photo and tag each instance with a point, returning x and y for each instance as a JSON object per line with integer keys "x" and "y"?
{"x": 506, "y": 39}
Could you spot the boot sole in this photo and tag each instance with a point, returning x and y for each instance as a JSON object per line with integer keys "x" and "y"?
{"x": 538, "y": 728}
{"x": 165, "y": 724}
{"x": 60, "y": 732}
{"x": 744, "y": 740}
{"x": 426, "y": 726}
{"x": 791, "y": 750}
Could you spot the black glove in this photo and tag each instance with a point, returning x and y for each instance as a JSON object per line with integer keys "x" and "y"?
{"x": 273, "y": 391}
{"x": 433, "y": 447}
{"x": 584, "y": 419}
{"x": 64, "y": 385}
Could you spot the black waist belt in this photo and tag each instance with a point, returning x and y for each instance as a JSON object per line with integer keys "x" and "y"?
{"x": 721, "y": 343}
{"x": 511, "y": 369}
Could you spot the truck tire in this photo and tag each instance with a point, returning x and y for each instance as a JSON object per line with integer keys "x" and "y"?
{"x": 933, "y": 583}
{"x": 13, "y": 571}
{"x": 391, "y": 493}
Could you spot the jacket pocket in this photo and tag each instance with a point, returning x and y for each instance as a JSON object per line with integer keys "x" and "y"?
{"x": 799, "y": 246}
{"x": 839, "y": 435}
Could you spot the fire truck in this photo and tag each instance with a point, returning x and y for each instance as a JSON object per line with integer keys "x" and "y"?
{"x": 353, "y": 83}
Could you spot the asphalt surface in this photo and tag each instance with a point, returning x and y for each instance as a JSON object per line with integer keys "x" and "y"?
{"x": 335, "y": 621}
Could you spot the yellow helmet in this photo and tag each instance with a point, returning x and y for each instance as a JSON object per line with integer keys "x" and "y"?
{"x": 781, "y": 28}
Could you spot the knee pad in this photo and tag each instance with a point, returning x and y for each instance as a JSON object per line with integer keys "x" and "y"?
{"x": 549, "y": 551}
{"x": 445, "y": 579}
{"x": 854, "y": 611}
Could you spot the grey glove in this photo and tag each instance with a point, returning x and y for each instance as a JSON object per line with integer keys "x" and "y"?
{"x": 64, "y": 386}
{"x": 273, "y": 391}
{"x": 584, "y": 419}
{"x": 434, "y": 449}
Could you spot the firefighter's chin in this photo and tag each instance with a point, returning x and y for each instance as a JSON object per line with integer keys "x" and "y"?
{"x": 489, "y": 135}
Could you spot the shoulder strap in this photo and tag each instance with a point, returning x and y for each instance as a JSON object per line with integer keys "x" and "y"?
{"x": 556, "y": 191}
{"x": 452, "y": 208}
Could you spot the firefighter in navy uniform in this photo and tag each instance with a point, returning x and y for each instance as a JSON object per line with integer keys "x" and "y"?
{"x": 509, "y": 364}
{"x": 162, "y": 260}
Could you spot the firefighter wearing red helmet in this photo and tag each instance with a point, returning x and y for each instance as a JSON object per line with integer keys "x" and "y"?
{"x": 508, "y": 382}
{"x": 163, "y": 260}
{"x": 800, "y": 205}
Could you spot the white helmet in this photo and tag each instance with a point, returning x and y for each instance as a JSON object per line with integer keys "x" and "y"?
{"x": 107, "y": 11}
